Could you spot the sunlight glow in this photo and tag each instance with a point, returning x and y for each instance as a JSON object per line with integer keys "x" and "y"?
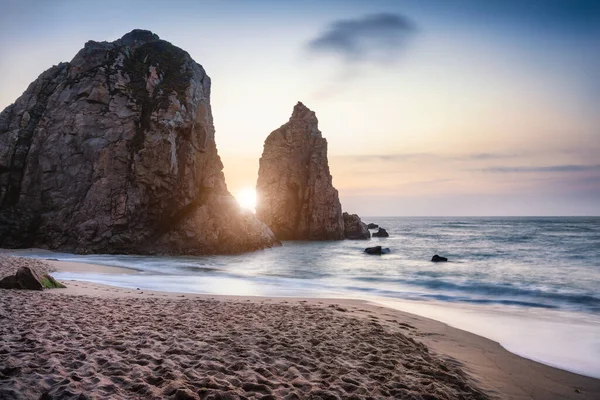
{"x": 246, "y": 198}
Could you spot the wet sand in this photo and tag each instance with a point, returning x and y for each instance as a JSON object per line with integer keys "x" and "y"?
{"x": 107, "y": 342}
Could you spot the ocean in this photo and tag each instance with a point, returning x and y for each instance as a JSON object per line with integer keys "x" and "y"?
{"x": 531, "y": 284}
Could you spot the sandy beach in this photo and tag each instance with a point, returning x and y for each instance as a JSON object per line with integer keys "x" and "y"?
{"x": 91, "y": 341}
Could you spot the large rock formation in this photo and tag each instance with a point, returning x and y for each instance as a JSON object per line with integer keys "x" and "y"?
{"x": 296, "y": 197}
{"x": 115, "y": 152}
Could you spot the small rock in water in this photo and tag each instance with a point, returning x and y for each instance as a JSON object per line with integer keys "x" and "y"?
{"x": 437, "y": 258}
{"x": 372, "y": 226}
{"x": 377, "y": 250}
{"x": 381, "y": 233}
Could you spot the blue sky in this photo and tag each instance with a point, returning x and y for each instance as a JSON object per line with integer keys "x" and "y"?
{"x": 450, "y": 107}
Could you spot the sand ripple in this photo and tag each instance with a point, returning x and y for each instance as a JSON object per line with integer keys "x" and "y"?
{"x": 82, "y": 347}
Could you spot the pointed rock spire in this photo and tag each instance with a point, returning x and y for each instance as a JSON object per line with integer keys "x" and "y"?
{"x": 296, "y": 197}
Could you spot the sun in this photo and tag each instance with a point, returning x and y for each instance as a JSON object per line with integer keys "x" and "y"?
{"x": 246, "y": 198}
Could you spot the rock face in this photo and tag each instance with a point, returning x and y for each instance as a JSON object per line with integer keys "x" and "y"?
{"x": 381, "y": 233}
{"x": 115, "y": 152}
{"x": 354, "y": 228}
{"x": 29, "y": 279}
{"x": 296, "y": 197}
{"x": 372, "y": 226}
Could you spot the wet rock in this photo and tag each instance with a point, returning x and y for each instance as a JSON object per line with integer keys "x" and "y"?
{"x": 372, "y": 226}
{"x": 437, "y": 258}
{"x": 377, "y": 250}
{"x": 114, "y": 152}
{"x": 29, "y": 279}
{"x": 297, "y": 199}
{"x": 354, "y": 228}
{"x": 381, "y": 233}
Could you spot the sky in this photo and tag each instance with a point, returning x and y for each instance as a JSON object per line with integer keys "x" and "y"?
{"x": 430, "y": 108}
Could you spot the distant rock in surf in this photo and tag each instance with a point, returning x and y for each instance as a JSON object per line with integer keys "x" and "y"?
{"x": 372, "y": 226}
{"x": 437, "y": 258}
{"x": 354, "y": 228}
{"x": 115, "y": 152}
{"x": 296, "y": 197}
{"x": 377, "y": 250}
{"x": 381, "y": 233}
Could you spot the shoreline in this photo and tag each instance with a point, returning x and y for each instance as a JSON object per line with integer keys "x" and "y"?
{"x": 557, "y": 338}
{"x": 485, "y": 355}
{"x": 490, "y": 367}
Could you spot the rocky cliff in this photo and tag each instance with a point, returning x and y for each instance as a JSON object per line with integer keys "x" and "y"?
{"x": 296, "y": 197}
{"x": 115, "y": 152}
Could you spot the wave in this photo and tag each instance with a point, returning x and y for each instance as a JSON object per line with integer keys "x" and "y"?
{"x": 532, "y": 262}
{"x": 521, "y": 303}
{"x": 526, "y": 296}
{"x": 448, "y": 298}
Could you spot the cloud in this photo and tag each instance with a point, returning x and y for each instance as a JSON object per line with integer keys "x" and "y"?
{"x": 377, "y": 37}
{"x": 549, "y": 168}
{"x": 433, "y": 184}
{"x": 388, "y": 157}
{"x": 489, "y": 156}
{"x": 399, "y": 157}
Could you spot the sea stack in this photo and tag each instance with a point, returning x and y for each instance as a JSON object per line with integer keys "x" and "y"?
{"x": 296, "y": 197}
{"x": 115, "y": 152}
